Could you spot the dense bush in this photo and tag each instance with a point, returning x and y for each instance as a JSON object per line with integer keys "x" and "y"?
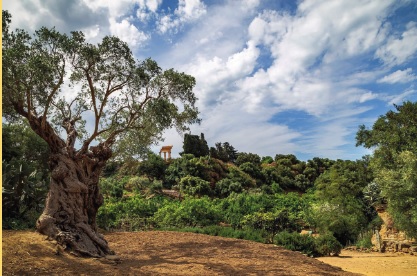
{"x": 191, "y": 212}
{"x": 365, "y": 240}
{"x": 129, "y": 213}
{"x": 228, "y": 232}
{"x": 23, "y": 195}
{"x": 296, "y": 242}
{"x": 323, "y": 245}
{"x": 227, "y": 186}
{"x": 195, "y": 186}
{"x": 327, "y": 245}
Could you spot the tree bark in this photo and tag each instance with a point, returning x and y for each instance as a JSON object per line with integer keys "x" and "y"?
{"x": 71, "y": 206}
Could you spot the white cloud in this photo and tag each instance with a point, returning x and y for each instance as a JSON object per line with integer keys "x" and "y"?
{"x": 399, "y": 76}
{"x": 114, "y": 8}
{"x": 307, "y": 46}
{"x": 147, "y": 9}
{"x": 128, "y": 33}
{"x": 253, "y": 64}
{"x": 247, "y": 132}
{"x": 399, "y": 98}
{"x": 215, "y": 75}
{"x": 187, "y": 11}
{"x": 92, "y": 32}
{"x": 399, "y": 50}
{"x": 190, "y": 9}
{"x": 151, "y": 5}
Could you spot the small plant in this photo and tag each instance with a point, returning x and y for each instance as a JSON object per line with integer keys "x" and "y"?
{"x": 327, "y": 245}
{"x": 364, "y": 240}
{"x": 296, "y": 242}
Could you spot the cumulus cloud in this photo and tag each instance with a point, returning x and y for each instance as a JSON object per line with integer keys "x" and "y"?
{"x": 314, "y": 54}
{"x": 114, "y": 8}
{"x": 187, "y": 11}
{"x": 215, "y": 75}
{"x": 128, "y": 33}
{"x": 399, "y": 76}
{"x": 255, "y": 61}
{"x": 306, "y": 46}
{"x": 147, "y": 9}
{"x": 92, "y": 32}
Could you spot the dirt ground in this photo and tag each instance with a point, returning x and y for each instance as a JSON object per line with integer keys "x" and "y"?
{"x": 172, "y": 253}
{"x": 375, "y": 264}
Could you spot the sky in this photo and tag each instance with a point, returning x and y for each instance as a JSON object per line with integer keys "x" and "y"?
{"x": 273, "y": 76}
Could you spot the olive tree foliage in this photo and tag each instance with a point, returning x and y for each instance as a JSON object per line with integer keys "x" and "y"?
{"x": 87, "y": 102}
{"x": 393, "y": 138}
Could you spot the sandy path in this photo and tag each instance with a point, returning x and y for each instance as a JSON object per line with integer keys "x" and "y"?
{"x": 375, "y": 264}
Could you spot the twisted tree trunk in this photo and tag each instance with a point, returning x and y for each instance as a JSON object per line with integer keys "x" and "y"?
{"x": 72, "y": 203}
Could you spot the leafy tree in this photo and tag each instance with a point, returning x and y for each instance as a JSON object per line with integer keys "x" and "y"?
{"x": 195, "y": 145}
{"x": 271, "y": 175}
{"x": 21, "y": 143}
{"x": 253, "y": 171}
{"x": 23, "y": 191}
{"x": 239, "y": 176}
{"x": 153, "y": 167}
{"x": 393, "y": 138}
{"x": 195, "y": 186}
{"x": 339, "y": 208}
{"x": 55, "y": 82}
{"x": 226, "y": 186}
{"x": 244, "y": 157}
{"x": 267, "y": 160}
{"x": 272, "y": 222}
{"x": 372, "y": 194}
{"x": 25, "y": 175}
{"x": 327, "y": 244}
{"x": 224, "y": 152}
{"x": 190, "y": 212}
{"x": 399, "y": 186}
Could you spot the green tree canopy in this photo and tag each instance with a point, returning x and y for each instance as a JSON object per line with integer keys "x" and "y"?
{"x": 60, "y": 84}
{"x": 394, "y": 139}
{"x": 195, "y": 145}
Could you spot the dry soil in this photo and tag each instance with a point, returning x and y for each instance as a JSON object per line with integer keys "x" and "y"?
{"x": 173, "y": 253}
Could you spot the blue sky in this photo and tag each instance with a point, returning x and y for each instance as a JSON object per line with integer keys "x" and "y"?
{"x": 273, "y": 77}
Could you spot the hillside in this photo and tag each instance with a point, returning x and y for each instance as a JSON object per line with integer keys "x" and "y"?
{"x": 159, "y": 253}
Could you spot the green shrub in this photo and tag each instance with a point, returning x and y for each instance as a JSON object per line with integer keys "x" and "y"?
{"x": 113, "y": 186}
{"x": 327, "y": 245}
{"x": 130, "y": 213}
{"x": 156, "y": 186}
{"x": 226, "y": 186}
{"x": 191, "y": 212}
{"x": 364, "y": 240}
{"x": 227, "y": 232}
{"x": 193, "y": 185}
{"x": 323, "y": 245}
{"x": 135, "y": 184}
{"x": 296, "y": 242}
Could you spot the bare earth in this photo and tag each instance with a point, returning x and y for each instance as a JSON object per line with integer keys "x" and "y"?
{"x": 375, "y": 264}
{"x": 159, "y": 253}
{"x": 172, "y": 253}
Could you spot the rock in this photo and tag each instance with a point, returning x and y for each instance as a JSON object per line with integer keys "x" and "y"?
{"x": 404, "y": 245}
{"x": 113, "y": 258}
{"x": 110, "y": 259}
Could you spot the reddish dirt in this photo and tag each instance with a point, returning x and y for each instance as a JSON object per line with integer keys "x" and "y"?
{"x": 158, "y": 253}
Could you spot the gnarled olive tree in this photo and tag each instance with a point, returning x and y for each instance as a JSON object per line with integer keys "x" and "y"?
{"x": 86, "y": 101}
